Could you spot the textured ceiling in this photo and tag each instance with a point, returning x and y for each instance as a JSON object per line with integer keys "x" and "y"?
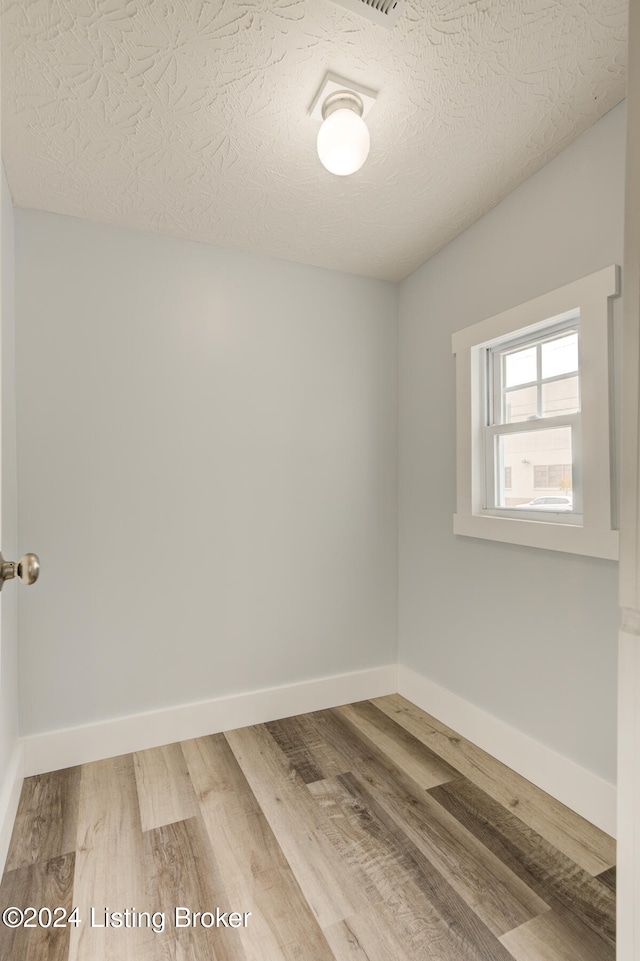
{"x": 189, "y": 117}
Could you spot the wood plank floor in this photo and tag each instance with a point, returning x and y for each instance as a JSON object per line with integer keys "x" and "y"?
{"x": 371, "y": 832}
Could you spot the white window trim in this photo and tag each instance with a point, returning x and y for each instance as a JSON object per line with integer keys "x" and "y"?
{"x": 493, "y": 429}
{"x": 596, "y": 536}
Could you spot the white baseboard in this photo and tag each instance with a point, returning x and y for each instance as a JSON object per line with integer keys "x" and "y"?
{"x": 581, "y": 790}
{"x": 137, "y": 732}
{"x": 9, "y": 797}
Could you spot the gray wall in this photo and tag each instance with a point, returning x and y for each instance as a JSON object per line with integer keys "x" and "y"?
{"x": 9, "y": 599}
{"x": 528, "y": 635}
{"x": 207, "y": 468}
{"x": 207, "y": 454}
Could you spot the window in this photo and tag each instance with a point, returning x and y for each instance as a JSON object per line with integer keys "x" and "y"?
{"x": 530, "y": 421}
{"x": 553, "y": 475}
{"x": 532, "y": 398}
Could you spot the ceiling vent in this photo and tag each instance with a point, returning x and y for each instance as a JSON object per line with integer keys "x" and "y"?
{"x": 384, "y": 12}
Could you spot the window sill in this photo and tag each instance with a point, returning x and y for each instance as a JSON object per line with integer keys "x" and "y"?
{"x": 552, "y": 536}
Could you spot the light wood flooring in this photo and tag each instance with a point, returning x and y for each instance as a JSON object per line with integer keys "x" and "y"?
{"x": 371, "y": 832}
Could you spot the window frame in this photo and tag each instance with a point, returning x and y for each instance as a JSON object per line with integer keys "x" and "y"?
{"x": 592, "y": 532}
{"x": 493, "y": 429}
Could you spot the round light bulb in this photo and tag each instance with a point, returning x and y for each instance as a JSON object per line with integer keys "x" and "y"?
{"x": 343, "y": 142}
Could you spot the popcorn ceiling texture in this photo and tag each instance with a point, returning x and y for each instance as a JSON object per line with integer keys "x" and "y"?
{"x": 189, "y": 117}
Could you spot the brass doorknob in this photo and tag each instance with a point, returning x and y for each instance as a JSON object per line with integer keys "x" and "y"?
{"x": 27, "y": 569}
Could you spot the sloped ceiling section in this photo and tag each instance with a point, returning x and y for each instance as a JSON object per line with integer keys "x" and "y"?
{"x": 189, "y": 117}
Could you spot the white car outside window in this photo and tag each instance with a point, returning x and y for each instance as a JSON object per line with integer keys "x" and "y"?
{"x": 547, "y": 504}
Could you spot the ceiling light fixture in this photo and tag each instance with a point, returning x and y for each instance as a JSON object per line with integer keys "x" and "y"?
{"x": 343, "y": 139}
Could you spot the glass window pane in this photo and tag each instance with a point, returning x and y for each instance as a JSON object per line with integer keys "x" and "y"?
{"x": 560, "y": 356}
{"x": 520, "y": 367}
{"x": 561, "y": 397}
{"x": 535, "y": 459}
{"x": 520, "y": 404}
